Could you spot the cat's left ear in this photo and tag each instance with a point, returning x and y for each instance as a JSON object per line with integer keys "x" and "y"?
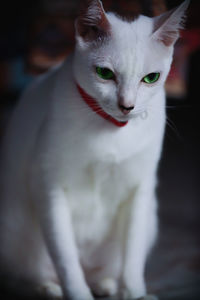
{"x": 167, "y": 25}
{"x": 92, "y": 24}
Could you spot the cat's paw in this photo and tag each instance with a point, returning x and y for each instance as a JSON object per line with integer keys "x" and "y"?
{"x": 50, "y": 290}
{"x": 78, "y": 294}
{"x": 127, "y": 295}
{"x": 106, "y": 287}
{"x": 129, "y": 292}
{"x": 148, "y": 297}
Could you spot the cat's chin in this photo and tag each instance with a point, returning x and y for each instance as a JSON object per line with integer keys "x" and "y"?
{"x": 123, "y": 118}
{"x": 119, "y": 117}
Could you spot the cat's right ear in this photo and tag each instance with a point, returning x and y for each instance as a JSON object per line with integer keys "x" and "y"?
{"x": 92, "y": 24}
{"x": 167, "y": 25}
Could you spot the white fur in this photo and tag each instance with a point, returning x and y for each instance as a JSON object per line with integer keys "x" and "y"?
{"x": 78, "y": 193}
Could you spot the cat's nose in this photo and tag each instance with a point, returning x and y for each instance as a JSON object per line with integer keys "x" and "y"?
{"x": 125, "y": 109}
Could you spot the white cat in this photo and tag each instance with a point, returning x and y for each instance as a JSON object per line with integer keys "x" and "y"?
{"x": 78, "y": 205}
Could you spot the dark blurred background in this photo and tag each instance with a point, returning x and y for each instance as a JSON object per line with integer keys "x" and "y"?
{"x": 36, "y": 35}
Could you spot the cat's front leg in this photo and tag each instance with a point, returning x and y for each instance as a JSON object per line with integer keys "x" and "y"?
{"x": 54, "y": 217}
{"x": 140, "y": 233}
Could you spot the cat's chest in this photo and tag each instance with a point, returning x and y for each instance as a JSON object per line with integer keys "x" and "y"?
{"x": 95, "y": 199}
{"x": 82, "y": 146}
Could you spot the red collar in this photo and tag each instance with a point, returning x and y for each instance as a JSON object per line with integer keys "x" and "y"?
{"x": 92, "y": 103}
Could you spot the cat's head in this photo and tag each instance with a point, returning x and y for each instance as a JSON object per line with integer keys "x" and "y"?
{"x": 123, "y": 64}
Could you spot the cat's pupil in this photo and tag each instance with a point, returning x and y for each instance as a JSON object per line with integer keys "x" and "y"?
{"x": 105, "y": 72}
{"x": 152, "y": 76}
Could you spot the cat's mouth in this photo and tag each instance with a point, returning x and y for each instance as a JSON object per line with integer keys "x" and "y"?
{"x": 125, "y": 118}
{"x": 116, "y": 113}
{"x": 108, "y": 114}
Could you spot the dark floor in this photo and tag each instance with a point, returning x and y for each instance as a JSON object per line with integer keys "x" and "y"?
{"x": 173, "y": 269}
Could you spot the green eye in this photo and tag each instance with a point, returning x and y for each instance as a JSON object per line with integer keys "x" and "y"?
{"x": 151, "y": 77}
{"x": 105, "y": 73}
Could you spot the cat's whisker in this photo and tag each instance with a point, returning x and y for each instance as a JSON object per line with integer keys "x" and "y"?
{"x": 179, "y": 106}
{"x": 173, "y": 127}
{"x": 171, "y": 107}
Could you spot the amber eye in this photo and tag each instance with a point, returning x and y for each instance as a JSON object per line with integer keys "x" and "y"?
{"x": 105, "y": 73}
{"x": 151, "y": 78}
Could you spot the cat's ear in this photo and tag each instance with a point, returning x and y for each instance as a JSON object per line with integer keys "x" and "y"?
{"x": 167, "y": 25}
{"x": 92, "y": 24}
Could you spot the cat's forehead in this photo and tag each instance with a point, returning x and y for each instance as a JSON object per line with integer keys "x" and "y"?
{"x": 127, "y": 32}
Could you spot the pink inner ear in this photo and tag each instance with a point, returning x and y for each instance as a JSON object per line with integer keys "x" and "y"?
{"x": 93, "y": 23}
{"x": 167, "y": 37}
{"x": 170, "y": 39}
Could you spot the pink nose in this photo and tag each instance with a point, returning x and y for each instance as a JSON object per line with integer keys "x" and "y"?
{"x": 125, "y": 110}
